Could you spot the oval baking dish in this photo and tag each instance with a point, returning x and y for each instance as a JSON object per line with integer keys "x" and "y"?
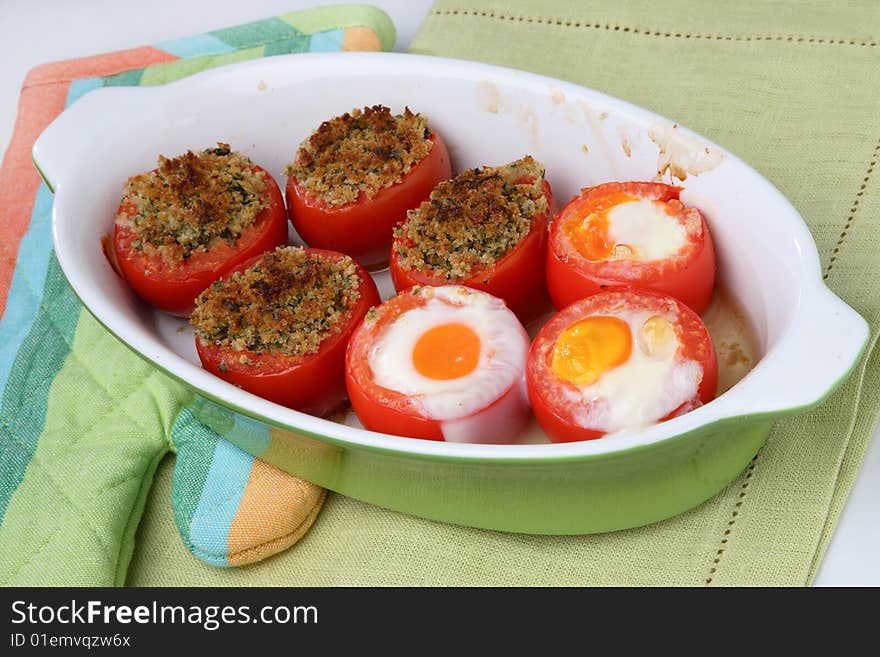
{"x": 807, "y": 338}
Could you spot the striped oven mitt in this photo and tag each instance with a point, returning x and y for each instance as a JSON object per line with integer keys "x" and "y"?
{"x": 84, "y": 422}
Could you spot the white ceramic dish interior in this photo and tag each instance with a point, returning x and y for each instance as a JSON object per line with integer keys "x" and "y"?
{"x": 807, "y": 337}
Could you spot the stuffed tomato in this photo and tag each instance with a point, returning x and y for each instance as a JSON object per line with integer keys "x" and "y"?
{"x": 619, "y": 361}
{"x": 440, "y": 363}
{"x": 485, "y": 229}
{"x": 633, "y": 234}
{"x": 193, "y": 219}
{"x": 357, "y": 175}
{"x": 279, "y": 324}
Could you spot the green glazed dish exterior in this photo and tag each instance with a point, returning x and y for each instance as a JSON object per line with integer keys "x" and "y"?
{"x": 587, "y": 495}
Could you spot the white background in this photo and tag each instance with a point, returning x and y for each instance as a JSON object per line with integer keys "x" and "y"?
{"x": 34, "y": 32}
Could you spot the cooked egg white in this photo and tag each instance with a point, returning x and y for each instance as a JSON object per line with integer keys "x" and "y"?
{"x": 646, "y": 229}
{"x": 504, "y": 346}
{"x": 647, "y": 387}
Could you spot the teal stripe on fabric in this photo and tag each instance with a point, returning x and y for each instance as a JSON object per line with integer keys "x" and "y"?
{"x": 329, "y": 41}
{"x": 249, "y": 434}
{"x": 224, "y": 488}
{"x": 39, "y": 342}
{"x": 125, "y": 79}
{"x": 203, "y": 44}
{"x": 25, "y": 398}
{"x": 28, "y": 279}
{"x": 254, "y": 34}
{"x": 296, "y": 43}
{"x": 195, "y": 446}
{"x": 78, "y": 88}
{"x": 218, "y": 418}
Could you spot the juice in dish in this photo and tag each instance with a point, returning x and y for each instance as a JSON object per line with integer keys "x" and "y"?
{"x": 732, "y": 336}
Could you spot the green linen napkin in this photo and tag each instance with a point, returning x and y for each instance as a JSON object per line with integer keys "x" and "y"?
{"x": 791, "y": 87}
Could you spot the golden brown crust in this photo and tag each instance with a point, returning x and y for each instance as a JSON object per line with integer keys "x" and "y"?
{"x": 473, "y": 220}
{"x": 192, "y": 201}
{"x": 361, "y": 152}
{"x": 289, "y": 301}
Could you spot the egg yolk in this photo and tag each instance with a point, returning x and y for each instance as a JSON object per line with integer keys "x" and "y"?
{"x": 588, "y": 348}
{"x": 447, "y": 351}
{"x": 589, "y": 235}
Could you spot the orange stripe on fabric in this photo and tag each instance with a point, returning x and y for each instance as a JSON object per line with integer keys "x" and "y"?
{"x": 275, "y": 511}
{"x": 19, "y": 179}
{"x": 96, "y": 65}
{"x": 43, "y": 97}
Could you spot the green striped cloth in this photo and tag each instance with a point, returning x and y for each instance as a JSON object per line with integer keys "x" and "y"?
{"x": 83, "y": 421}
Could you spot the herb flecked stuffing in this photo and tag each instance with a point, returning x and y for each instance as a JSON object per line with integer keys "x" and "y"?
{"x": 191, "y": 202}
{"x": 361, "y": 152}
{"x": 472, "y": 221}
{"x": 288, "y": 302}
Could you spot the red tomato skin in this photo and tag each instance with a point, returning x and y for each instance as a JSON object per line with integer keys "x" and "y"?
{"x": 363, "y": 229}
{"x": 551, "y": 416}
{"x": 384, "y": 410}
{"x": 379, "y": 414}
{"x": 314, "y": 384}
{"x": 519, "y": 278}
{"x": 378, "y": 408}
{"x": 556, "y": 427}
{"x": 570, "y": 277}
{"x": 175, "y": 291}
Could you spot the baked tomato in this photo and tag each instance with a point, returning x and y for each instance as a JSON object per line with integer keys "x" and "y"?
{"x": 195, "y": 218}
{"x": 278, "y": 325}
{"x": 485, "y": 229}
{"x": 632, "y": 234}
{"x": 444, "y": 363}
{"x": 619, "y": 361}
{"x": 355, "y": 178}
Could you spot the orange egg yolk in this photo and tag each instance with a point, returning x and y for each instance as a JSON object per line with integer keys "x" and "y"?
{"x": 590, "y": 347}
{"x": 589, "y": 235}
{"x": 447, "y": 351}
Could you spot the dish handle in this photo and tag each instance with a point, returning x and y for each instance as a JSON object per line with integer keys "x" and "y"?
{"x": 826, "y": 342}
{"x": 60, "y": 148}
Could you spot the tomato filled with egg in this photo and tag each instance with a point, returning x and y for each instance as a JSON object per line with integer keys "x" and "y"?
{"x": 440, "y": 363}
{"x": 193, "y": 219}
{"x": 619, "y": 361}
{"x": 485, "y": 229}
{"x": 632, "y": 234}
{"x": 278, "y": 325}
{"x": 356, "y": 176}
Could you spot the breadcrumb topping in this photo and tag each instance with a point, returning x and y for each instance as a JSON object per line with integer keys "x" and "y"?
{"x": 289, "y": 301}
{"x": 192, "y": 201}
{"x": 361, "y": 152}
{"x": 473, "y": 220}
